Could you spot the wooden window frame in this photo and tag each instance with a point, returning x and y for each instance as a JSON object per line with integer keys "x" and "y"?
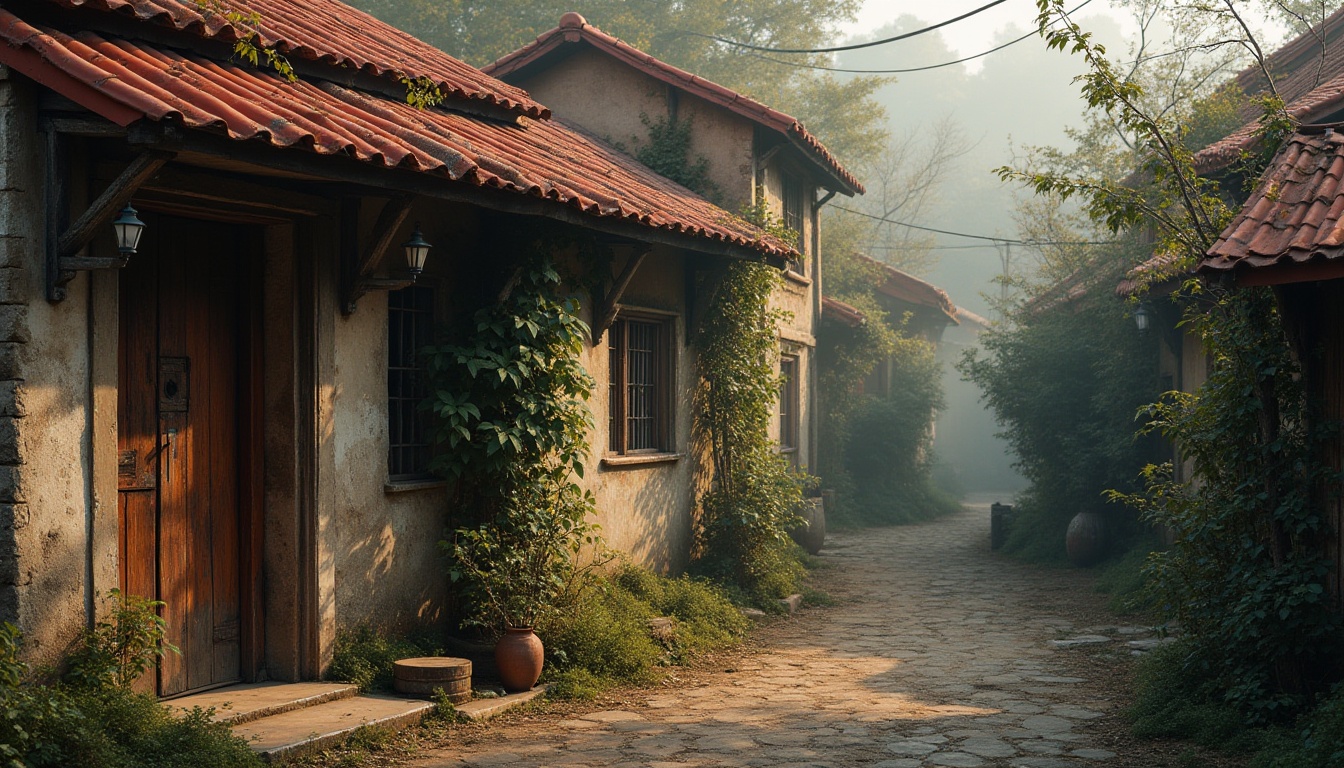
{"x": 618, "y": 383}
{"x": 408, "y": 455}
{"x": 790, "y": 402}
{"x": 793, "y": 208}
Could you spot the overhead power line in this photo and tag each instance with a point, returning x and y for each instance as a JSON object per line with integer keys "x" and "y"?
{"x": 1004, "y": 240}
{"x": 995, "y": 49}
{"x": 854, "y": 46}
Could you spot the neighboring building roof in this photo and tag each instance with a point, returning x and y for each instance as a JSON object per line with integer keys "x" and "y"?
{"x": 972, "y": 318}
{"x": 835, "y": 309}
{"x": 910, "y": 289}
{"x": 1295, "y": 216}
{"x": 1155, "y": 271}
{"x": 126, "y": 80}
{"x": 1308, "y": 77}
{"x": 328, "y": 32}
{"x": 576, "y": 29}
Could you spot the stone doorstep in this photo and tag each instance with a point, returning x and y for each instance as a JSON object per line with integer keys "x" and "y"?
{"x": 328, "y": 724}
{"x": 246, "y": 702}
{"x": 292, "y": 718}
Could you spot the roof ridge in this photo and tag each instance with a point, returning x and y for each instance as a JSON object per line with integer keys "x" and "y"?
{"x": 574, "y": 28}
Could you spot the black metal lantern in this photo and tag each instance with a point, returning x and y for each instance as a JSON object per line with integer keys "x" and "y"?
{"x": 1143, "y": 317}
{"x": 128, "y": 227}
{"x": 417, "y": 250}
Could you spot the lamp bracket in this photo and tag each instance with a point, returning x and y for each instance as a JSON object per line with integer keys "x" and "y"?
{"x": 358, "y": 276}
{"x": 63, "y": 247}
{"x": 606, "y": 310}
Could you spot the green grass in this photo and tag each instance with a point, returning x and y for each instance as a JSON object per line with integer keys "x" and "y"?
{"x": 1122, "y": 579}
{"x": 364, "y": 656}
{"x": 604, "y": 637}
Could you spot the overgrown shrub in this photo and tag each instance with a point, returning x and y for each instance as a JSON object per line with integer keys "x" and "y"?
{"x": 363, "y": 656}
{"x": 1178, "y": 697}
{"x": 604, "y": 636}
{"x": 1065, "y": 379}
{"x": 94, "y": 719}
{"x": 1317, "y": 741}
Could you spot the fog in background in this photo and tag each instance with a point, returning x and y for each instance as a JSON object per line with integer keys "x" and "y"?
{"x": 1020, "y": 96}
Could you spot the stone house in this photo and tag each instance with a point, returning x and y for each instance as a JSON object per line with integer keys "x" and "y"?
{"x": 751, "y": 152}
{"x": 227, "y": 419}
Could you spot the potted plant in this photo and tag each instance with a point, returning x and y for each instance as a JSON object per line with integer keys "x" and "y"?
{"x": 514, "y": 568}
{"x": 508, "y": 401}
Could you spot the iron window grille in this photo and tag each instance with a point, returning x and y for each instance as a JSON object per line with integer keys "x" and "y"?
{"x": 788, "y": 406}
{"x": 410, "y": 321}
{"x": 640, "y": 381}
{"x": 793, "y": 208}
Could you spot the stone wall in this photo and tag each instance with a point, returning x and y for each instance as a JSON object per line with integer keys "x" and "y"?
{"x": 18, "y": 209}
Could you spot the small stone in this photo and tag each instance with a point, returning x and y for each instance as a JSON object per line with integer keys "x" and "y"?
{"x": 792, "y": 603}
{"x": 753, "y": 613}
{"x": 987, "y": 747}
{"x": 1143, "y": 646}
{"x": 1047, "y": 724}
{"x": 911, "y": 748}
{"x": 1080, "y": 640}
{"x": 955, "y": 760}
{"x": 610, "y": 716}
{"x": 1093, "y": 754}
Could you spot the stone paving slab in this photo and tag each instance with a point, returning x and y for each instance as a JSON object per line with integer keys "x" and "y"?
{"x": 937, "y": 653}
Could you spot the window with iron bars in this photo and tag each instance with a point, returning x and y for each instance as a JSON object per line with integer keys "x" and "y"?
{"x": 410, "y": 321}
{"x": 640, "y": 386}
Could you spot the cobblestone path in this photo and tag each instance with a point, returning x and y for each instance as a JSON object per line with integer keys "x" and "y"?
{"x": 937, "y": 654}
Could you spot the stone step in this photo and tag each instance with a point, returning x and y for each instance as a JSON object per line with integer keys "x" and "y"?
{"x": 326, "y": 724}
{"x": 252, "y": 701}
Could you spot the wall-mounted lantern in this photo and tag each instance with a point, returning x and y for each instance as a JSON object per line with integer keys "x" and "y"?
{"x": 129, "y": 228}
{"x": 360, "y": 261}
{"x": 1143, "y": 317}
{"x": 417, "y": 250}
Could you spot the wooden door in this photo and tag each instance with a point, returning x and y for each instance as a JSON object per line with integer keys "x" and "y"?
{"x": 179, "y": 408}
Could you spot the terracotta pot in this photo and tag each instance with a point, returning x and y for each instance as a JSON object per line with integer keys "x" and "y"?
{"x": 519, "y": 655}
{"x": 1086, "y": 538}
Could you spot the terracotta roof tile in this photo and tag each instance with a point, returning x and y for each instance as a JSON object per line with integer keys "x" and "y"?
{"x": 838, "y": 310}
{"x": 1311, "y": 84}
{"x": 1296, "y": 213}
{"x": 127, "y": 80}
{"x": 574, "y": 28}
{"x": 910, "y": 289}
{"x": 332, "y": 33}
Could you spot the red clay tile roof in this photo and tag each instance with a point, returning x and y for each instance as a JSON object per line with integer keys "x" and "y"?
{"x": 1156, "y": 270}
{"x": 910, "y": 289}
{"x": 332, "y": 33}
{"x": 574, "y": 29}
{"x": 126, "y": 80}
{"x": 836, "y": 309}
{"x": 1296, "y": 213}
{"x": 1310, "y": 84}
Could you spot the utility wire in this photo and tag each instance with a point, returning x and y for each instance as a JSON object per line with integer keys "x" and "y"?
{"x": 855, "y": 46}
{"x": 1003, "y": 240}
{"x": 996, "y": 49}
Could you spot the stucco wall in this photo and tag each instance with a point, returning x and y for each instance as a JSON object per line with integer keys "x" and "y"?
{"x": 607, "y": 98}
{"x": 48, "y": 506}
{"x": 388, "y": 570}
{"x": 645, "y": 510}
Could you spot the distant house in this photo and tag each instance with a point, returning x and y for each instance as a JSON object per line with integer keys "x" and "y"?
{"x": 230, "y": 421}
{"x": 616, "y": 91}
{"x": 919, "y": 308}
{"x": 1290, "y": 235}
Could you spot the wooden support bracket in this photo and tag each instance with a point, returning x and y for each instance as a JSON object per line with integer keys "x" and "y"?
{"x": 605, "y": 312}
{"x": 63, "y": 247}
{"x": 360, "y": 266}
